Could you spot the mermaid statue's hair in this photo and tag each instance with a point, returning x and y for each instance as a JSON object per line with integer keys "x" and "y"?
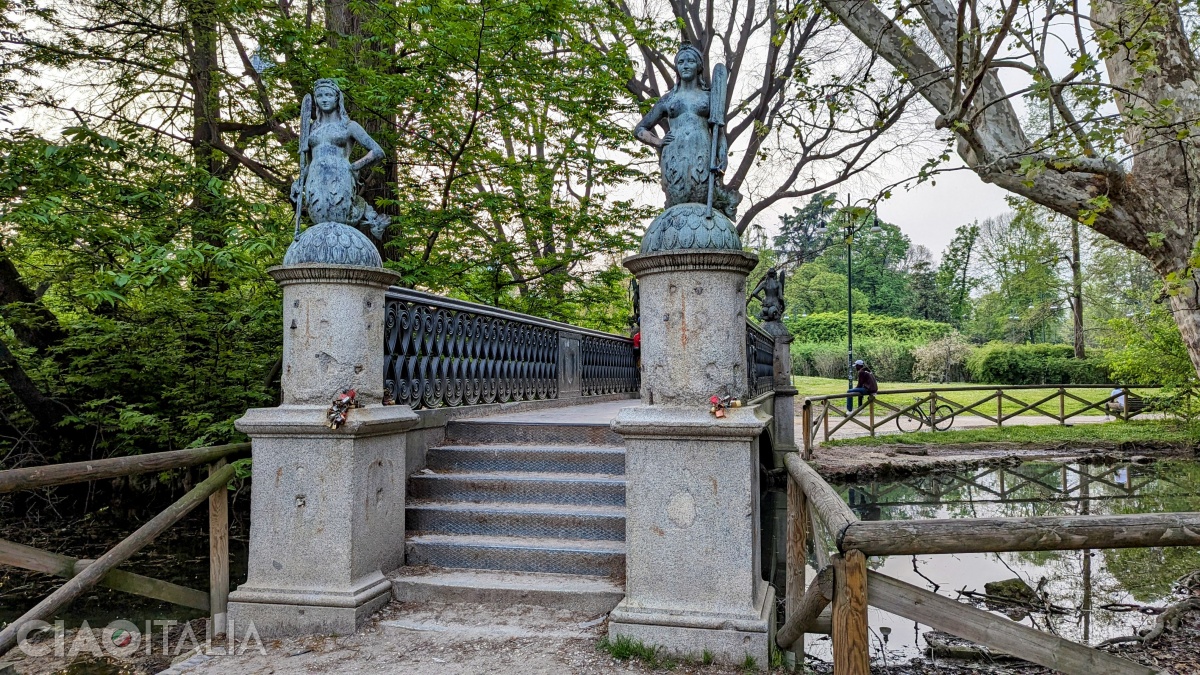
{"x": 328, "y": 83}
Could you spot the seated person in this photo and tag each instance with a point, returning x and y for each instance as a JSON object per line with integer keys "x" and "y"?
{"x": 1117, "y": 405}
{"x": 867, "y": 384}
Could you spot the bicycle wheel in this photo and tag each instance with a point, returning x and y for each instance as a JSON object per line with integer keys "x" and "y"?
{"x": 943, "y": 418}
{"x": 911, "y": 420}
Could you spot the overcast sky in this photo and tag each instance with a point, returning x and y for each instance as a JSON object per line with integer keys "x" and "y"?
{"x": 928, "y": 213}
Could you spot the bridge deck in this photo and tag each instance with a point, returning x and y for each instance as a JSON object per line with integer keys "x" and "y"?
{"x": 586, "y": 414}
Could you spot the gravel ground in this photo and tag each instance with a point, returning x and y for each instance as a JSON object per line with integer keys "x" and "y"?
{"x": 432, "y": 639}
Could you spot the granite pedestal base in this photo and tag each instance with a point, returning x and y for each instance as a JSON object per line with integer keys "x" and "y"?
{"x": 693, "y": 568}
{"x": 689, "y": 635}
{"x": 326, "y": 518}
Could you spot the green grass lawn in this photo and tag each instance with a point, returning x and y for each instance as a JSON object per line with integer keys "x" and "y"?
{"x": 818, "y": 386}
{"x": 1112, "y": 432}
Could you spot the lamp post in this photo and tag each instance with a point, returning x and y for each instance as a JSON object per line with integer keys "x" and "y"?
{"x": 848, "y": 232}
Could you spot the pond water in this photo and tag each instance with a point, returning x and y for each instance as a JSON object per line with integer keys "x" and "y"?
{"x": 1088, "y": 588}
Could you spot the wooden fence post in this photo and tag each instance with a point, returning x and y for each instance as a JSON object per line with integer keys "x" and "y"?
{"x": 999, "y": 408}
{"x": 797, "y": 554}
{"x": 218, "y": 555}
{"x": 872, "y": 414}
{"x": 1062, "y": 406}
{"x": 825, "y": 418}
{"x": 806, "y": 433}
{"x": 851, "y": 650}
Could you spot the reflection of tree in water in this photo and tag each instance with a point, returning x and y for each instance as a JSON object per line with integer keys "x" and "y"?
{"x": 1086, "y": 580}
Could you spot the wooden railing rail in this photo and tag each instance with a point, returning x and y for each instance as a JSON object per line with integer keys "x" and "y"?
{"x": 843, "y": 581}
{"x": 85, "y": 574}
{"x": 47, "y": 475}
{"x": 1003, "y": 535}
{"x": 817, "y": 411}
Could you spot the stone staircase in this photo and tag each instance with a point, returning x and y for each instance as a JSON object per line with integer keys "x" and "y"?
{"x": 518, "y": 513}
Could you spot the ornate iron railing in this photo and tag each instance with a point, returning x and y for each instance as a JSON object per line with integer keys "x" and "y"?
{"x": 443, "y": 352}
{"x": 760, "y": 360}
{"x": 609, "y": 365}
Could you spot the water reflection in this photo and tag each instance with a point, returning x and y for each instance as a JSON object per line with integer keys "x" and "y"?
{"x": 1091, "y": 586}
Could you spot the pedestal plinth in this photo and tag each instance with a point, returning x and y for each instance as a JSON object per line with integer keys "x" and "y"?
{"x": 327, "y": 512}
{"x": 326, "y": 518}
{"x": 693, "y": 580}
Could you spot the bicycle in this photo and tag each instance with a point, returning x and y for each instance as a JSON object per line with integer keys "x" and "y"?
{"x": 937, "y": 418}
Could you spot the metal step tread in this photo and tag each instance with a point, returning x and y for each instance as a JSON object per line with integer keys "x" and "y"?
{"x": 590, "y": 594}
{"x": 521, "y": 476}
{"x": 516, "y": 447}
{"x": 527, "y": 543}
{"x": 497, "y": 579}
{"x": 500, "y": 508}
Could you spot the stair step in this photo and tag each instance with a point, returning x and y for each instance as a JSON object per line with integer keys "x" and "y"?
{"x": 518, "y": 520}
{"x": 592, "y": 595}
{"x": 553, "y": 488}
{"x": 557, "y": 556}
{"x": 558, "y": 458}
{"x": 481, "y": 431}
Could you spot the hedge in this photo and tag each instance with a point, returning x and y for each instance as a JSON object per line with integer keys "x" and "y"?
{"x": 890, "y": 360}
{"x": 830, "y": 327}
{"x": 1003, "y": 363}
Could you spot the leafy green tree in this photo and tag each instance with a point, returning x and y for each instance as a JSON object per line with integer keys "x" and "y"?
{"x": 141, "y": 212}
{"x": 954, "y": 280}
{"x": 814, "y": 289}
{"x": 879, "y": 266}
{"x": 928, "y": 298}
{"x": 798, "y": 241}
{"x": 1019, "y": 256}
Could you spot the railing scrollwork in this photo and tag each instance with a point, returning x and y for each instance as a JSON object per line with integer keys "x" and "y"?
{"x": 760, "y": 361}
{"x": 444, "y": 353}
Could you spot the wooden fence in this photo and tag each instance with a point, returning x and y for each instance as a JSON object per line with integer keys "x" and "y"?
{"x": 931, "y": 409}
{"x": 84, "y": 574}
{"x": 816, "y": 514}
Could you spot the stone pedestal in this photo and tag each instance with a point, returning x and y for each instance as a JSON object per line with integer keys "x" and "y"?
{"x": 327, "y": 512}
{"x": 693, "y": 580}
{"x": 693, "y": 324}
{"x": 693, "y": 573}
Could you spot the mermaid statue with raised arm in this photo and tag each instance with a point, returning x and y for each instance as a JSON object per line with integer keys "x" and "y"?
{"x": 328, "y": 180}
{"x": 688, "y": 157}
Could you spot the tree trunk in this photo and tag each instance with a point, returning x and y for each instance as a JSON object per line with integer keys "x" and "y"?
{"x": 345, "y": 21}
{"x": 1077, "y": 290}
{"x": 206, "y": 225}
{"x": 47, "y": 412}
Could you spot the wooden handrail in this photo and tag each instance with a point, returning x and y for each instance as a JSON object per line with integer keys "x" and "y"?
{"x": 29, "y": 478}
{"x": 826, "y": 502}
{"x": 93, "y": 573}
{"x": 1001, "y": 535}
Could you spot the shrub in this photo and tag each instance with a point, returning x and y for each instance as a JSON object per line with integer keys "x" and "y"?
{"x": 830, "y": 327}
{"x": 1004, "y": 363}
{"x": 890, "y": 360}
{"x": 816, "y": 359}
{"x": 943, "y": 360}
